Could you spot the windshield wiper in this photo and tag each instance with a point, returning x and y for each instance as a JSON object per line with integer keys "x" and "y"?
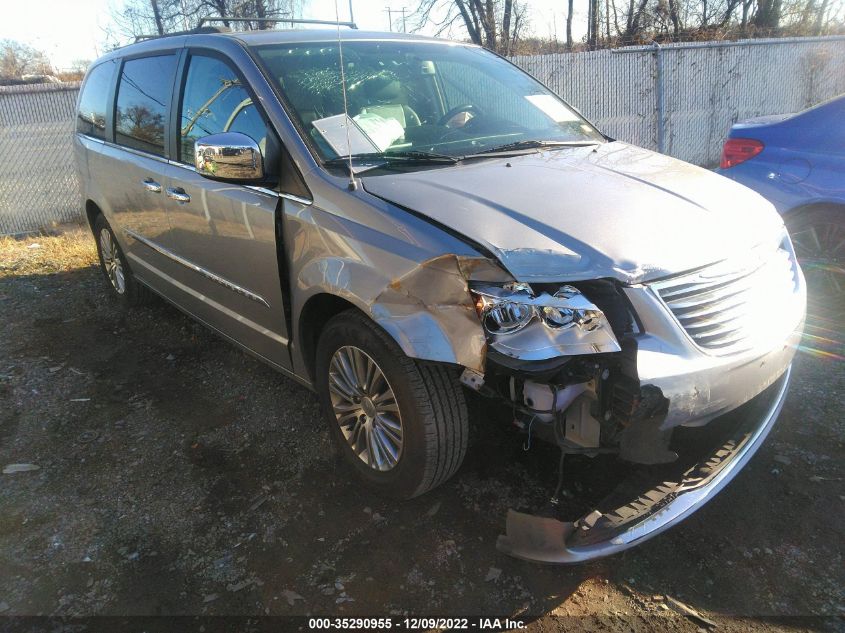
{"x": 406, "y": 156}
{"x": 533, "y": 144}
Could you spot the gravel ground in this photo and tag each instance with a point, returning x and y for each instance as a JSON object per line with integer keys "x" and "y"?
{"x": 178, "y": 476}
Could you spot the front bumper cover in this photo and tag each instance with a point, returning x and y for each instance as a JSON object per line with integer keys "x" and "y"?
{"x": 652, "y": 511}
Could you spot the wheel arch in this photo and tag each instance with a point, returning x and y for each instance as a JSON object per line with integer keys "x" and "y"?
{"x": 445, "y": 334}
{"x": 318, "y": 310}
{"x": 815, "y": 205}
{"x": 92, "y": 210}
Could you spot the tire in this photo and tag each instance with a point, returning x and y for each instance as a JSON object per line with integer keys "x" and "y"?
{"x": 428, "y": 399}
{"x": 119, "y": 278}
{"x": 818, "y": 236}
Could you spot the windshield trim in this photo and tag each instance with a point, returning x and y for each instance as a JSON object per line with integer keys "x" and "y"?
{"x": 379, "y": 160}
{"x": 531, "y": 145}
{"x": 375, "y": 160}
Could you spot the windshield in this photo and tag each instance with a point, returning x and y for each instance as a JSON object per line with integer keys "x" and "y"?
{"x": 414, "y": 97}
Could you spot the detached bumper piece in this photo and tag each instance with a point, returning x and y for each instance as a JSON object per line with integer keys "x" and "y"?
{"x": 603, "y": 532}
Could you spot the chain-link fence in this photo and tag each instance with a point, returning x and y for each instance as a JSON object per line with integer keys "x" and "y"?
{"x": 681, "y": 99}
{"x": 38, "y": 186}
{"x": 678, "y": 98}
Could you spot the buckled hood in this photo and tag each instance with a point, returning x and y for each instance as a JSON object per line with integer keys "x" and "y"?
{"x": 612, "y": 210}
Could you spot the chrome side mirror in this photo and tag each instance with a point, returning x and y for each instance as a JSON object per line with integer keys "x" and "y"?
{"x": 229, "y": 156}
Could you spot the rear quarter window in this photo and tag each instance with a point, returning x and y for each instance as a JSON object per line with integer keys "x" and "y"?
{"x": 143, "y": 100}
{"x": 91, "y": 113}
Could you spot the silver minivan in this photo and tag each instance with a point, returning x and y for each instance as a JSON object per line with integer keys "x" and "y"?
{"x": 403, "y": 224}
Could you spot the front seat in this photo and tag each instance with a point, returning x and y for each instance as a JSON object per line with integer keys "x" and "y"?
{"x": 384, "y": 98}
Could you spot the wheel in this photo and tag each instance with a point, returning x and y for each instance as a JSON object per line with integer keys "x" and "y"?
{"x": 119, "y": 277}
{"x": 818, "y": 236}
{"x": 401, "y": 424}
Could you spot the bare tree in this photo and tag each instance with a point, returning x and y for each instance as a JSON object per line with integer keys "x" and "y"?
{"x": 569, "y": 12}
{"x": 634, "y": 20}
{"x": 157, "y": 17}
{"x": 494, "y": 24}
{"x": 675, "y": 19}
{"x": 18, "y": 59}
{"x": 503, "y": 25}
{"x": 592, "y": 24}
{"x": 146, "y": 17}
{"x": 820, "y": 18}
{"x": 640, "y": 21}
{"x": 768, "y": 14}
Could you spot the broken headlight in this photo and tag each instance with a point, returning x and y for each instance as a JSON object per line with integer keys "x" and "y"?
{"x": 522, "y": 325}
{"x": 566, "y": 317}
{"x": 504, "y": 314}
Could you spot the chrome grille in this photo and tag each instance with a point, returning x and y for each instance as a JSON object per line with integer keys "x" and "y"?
{"x": 727, "y": 307}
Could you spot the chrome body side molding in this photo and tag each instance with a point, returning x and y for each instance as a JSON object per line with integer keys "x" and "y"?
{"x": 199, "y": 269}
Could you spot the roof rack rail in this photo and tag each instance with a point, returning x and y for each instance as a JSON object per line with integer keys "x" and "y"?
{"x": 350, "y": 24}
{"x": 197, "y": 31}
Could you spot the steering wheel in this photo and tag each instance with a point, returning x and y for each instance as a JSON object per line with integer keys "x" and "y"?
{"x": 464, "y": 107}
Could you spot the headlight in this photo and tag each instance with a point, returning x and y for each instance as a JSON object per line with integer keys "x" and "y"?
{"x": 529, "y": 327}
{"x": 560, "y": 317}
{"x": 501, "y": 315}
{"x": 507, "y": 317}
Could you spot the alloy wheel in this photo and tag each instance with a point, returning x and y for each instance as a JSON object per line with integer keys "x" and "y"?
{"x": 365, "y": 407}
{"x": 111, "y": 261}
{"x": 820, "y": 247}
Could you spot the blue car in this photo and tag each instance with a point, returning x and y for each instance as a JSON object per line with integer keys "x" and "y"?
{"x": 797, "y": 161}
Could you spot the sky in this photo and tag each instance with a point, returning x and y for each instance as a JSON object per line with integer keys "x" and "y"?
{"x": 69, "y": 30}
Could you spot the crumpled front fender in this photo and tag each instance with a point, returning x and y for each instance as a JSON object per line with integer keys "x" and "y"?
{"x": 391, "y": 266}
{"x": 428, "y": 310}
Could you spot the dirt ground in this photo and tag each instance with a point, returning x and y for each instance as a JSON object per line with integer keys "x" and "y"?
{"x": 179, "y": 476}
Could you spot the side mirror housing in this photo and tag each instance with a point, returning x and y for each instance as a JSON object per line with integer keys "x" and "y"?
{"x": 229, "y": 156}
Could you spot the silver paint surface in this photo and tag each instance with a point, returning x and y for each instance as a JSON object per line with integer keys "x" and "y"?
{"x": 404, "y": 248}
{"x": 206, "y": 273}
{"x": 573, "y": 214}
{"x": 614, "y": 210}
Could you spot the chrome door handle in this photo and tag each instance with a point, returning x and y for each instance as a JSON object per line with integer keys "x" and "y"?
{"x": 151, "y": 185}
{"x": 178, "y": 194}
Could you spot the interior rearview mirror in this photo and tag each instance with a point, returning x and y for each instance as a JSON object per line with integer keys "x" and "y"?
{"x": 230, "y": 156}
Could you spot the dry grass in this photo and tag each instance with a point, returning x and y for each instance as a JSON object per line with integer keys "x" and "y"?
{"x": 70, "y": 249}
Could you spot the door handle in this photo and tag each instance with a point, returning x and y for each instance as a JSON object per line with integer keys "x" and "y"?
{"x": 178, "y": 194}
{"x": 151, "y": 185}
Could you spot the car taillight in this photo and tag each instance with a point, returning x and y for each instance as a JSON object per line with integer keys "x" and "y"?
{"x": 739, "y": 150}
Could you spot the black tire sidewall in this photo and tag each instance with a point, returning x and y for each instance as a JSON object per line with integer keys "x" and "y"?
{"x": 351, "y": 328}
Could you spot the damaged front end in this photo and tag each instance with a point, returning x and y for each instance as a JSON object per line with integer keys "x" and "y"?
{"x": 565, "y": 361}
{"x": 640, "y": 510}
{"x": 618, "y": 368}
{"x": 600, "y": 367}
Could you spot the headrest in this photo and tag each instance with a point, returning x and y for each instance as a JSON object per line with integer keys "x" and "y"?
{"x": 382, "y": 88}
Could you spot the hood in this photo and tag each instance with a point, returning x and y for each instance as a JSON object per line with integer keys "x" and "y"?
{"x": 613, "y": 210}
